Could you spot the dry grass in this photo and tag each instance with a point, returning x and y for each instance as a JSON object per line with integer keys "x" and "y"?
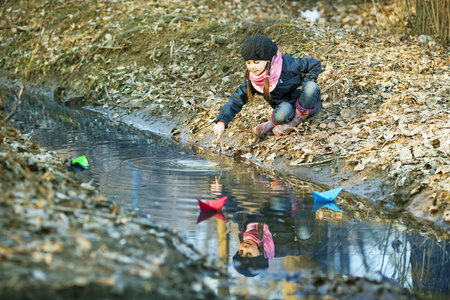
{"x": 429, "y": 17}
{"x": 433, "y": 18}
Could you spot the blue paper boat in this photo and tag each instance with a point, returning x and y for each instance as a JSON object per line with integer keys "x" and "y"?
{"x": 326, "y": 199}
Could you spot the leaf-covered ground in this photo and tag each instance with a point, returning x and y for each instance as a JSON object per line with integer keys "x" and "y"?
{"x": 383, "y": 132}
{"x": 384, "y": 125}
{"x": 60, "y": 239}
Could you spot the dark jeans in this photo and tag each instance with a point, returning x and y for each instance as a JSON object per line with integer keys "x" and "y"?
{"x": 309, "y": 98}
{"x": 304, "y": 217}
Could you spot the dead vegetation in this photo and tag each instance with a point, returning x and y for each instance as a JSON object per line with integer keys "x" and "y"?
{"x": 386, "y": 103}
{"x": 60, "y": 239}
{"x": 385, "y": 94}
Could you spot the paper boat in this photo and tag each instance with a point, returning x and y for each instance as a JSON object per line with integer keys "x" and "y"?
{"x": 80, "y": 163}
{"x": 205, "y": 215}
{"x": 326, "y": 199}
{"x": 212, "y": 205}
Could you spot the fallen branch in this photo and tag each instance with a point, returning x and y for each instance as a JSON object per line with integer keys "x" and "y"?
{"x": 314, "y": 162}
{"x": 17, "y": 103}
{"x": 200, "y": 107}
{"x": 1, "y": 11}
{"x": 196, "y": 96}
{"x": 107, "y": 93}
{"x": 113, "y": 48}
{"x": 330, "y": 86}
{"x": 181, "y": 18}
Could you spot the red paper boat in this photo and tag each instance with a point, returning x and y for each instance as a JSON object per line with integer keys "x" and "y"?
{"x": 205, "y": 215}
{"x": 212, "y": 205}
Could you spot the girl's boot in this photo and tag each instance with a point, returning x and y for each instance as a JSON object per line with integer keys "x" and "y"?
{"x": 263, "y": 128}
{"x": 300, "y": 116}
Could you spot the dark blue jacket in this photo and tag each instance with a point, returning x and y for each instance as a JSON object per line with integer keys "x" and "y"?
{"x": 295, "y": 72}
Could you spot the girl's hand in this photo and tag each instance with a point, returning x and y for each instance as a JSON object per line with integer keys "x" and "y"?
{"x": 216, "y": 187}
{"x": 219, "y": 129}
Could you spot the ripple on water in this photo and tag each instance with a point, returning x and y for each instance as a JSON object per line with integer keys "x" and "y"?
{"x": 180, "y": 165}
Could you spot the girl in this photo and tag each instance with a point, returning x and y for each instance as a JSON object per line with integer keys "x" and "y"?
{"x": 287, "y": 84}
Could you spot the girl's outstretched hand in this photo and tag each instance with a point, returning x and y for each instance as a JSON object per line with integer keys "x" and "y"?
{"x": 219, "y": 129}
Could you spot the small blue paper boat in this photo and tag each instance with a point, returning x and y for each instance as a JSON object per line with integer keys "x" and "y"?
{"x": 326, "y": 199}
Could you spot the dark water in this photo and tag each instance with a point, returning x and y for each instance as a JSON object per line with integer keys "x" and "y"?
{"x": 158, "y": 179}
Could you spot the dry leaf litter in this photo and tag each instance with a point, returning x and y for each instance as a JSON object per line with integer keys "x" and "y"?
{"x": 385, "y": 93}
{"x": 59, "y": 237}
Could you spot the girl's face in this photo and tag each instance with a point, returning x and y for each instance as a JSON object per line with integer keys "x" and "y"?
{"x": 249, "y": 248}
{"x": 256, "y": 67}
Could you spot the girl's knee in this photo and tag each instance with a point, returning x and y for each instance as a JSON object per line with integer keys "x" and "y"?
{"x": 283, "y": 113}
{"x": 310, "y": 89}
{"x": 310, "y": 96}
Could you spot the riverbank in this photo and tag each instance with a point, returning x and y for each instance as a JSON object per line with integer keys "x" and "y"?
{"x": 383, "y": 133}
{"x": 384, "y": 129}
{"x": 61, "y": 238}
{"x": 51, "y": 218}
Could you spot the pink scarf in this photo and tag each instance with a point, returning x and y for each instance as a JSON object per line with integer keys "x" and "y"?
{"x": 252, "y": 234}
{"x": 275, "y": 72}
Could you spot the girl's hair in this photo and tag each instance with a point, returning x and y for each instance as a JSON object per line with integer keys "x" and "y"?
{"x": 265, "y": 87}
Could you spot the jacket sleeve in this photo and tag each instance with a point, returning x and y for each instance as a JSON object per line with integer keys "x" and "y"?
{"x": 310, "y": 68}
{"x": 234, "y": 104}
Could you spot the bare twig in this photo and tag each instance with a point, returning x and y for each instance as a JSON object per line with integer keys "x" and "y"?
{"x": 107, "y": 93}
{"x": 196, "y": 96}
{"x": 331, "y": 85}
{"x": 314, "y": 162}
{"x": 221, "y": 147}
{"x": 4, "y": 5}
{"x": 181, "y": 18}
{"x": 27, "y": 72}
{"x": 113, "y": 48}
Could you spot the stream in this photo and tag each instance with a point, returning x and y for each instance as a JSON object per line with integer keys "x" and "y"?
{"x": 158, "y": 179}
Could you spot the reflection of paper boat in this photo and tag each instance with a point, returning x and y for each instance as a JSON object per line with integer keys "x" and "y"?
{"x": 212, "y": 205}
{"x": 205, "y": 215}
{"x": 326, "y": 199}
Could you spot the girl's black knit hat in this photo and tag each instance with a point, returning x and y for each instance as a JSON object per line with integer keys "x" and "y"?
{"x": 250, "y": 266}
{"x": 259, "y": 47}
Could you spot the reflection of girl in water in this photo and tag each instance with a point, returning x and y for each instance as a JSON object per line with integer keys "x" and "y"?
{"x": 264, "y": 237}
{"x": 283, "y": 199}
{"x": 284, "y": 227}
{"x": 256, "y": 249}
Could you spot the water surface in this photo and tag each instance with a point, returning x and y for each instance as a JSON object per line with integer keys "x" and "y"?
{"x": 160, "y": 180}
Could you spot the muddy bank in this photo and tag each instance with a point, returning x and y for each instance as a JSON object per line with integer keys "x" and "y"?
{"x": 384, "y": 129}
{"x": 43, "y": 239}
{"x": 383, "y": 133}
{"x": 365, "y": 196}
{"x": 61, "y": 239}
